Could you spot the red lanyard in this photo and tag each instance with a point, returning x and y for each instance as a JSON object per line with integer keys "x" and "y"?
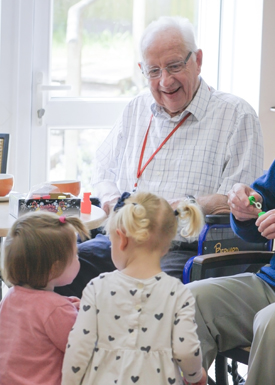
{"x": 140, "y": 170}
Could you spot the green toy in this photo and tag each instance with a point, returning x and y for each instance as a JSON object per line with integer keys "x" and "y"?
{"x": 258, "y": 205}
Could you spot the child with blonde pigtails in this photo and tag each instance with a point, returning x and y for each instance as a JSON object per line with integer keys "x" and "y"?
{"x": 40, "y": 253}
{"x": 136, "y": 325}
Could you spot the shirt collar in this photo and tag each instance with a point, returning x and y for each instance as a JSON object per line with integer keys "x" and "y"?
{"x": 197, "y": 106}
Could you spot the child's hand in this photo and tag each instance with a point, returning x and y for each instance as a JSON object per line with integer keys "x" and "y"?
{"x": 266, "y": 223}
{"x": 202, "y": 381}
{"x": 75, "y": 301}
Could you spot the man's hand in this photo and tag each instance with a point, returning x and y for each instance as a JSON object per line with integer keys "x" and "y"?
{"x": 109, "y": 205}
{"x": 266, "y": 224}
{"x": 239, "y": 203}
{"x": 213, "y": 204}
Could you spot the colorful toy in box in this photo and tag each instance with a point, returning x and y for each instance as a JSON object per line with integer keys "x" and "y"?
{"x": 66, "y": 205}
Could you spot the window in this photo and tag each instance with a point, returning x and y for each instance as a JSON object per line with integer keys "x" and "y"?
{"x": 95, "y": 44}
{"x": 32, "y": 42}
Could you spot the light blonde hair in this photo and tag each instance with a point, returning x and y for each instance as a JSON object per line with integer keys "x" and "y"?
{"x": 144, "y": 214}
{"x": 191, "y": 217}
{"x": 35, "y": 242}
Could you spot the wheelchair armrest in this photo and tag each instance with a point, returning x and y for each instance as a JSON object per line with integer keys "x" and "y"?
{"x": 219, "y": 219}
{"x": 202, "y": 263}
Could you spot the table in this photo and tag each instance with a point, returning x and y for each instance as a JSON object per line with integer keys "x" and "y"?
{"x": 92, "y": 221}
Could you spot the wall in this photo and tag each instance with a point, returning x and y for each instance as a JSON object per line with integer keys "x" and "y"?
{"x": 267, "y": 84}
{"x": 16, "y": 81}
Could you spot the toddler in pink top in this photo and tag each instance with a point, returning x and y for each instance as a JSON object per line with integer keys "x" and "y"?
{"x": 40, "y": 253}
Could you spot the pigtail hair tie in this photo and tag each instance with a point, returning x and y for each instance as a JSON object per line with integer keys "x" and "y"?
{"x": 62, "y": 219}
{"x": 121, "y": 201}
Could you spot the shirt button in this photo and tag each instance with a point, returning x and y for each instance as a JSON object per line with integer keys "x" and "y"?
{"x": 138, "y": 307}
{"x": 140, "y": 285}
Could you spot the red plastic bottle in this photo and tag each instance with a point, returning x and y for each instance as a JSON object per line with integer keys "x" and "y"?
{"x": 86, "y": 205}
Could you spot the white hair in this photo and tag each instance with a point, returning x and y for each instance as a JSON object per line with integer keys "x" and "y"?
{"x": 165, "y": 23}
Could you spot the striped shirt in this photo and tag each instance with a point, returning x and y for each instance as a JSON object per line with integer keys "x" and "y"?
{"x": 218, "y": 145}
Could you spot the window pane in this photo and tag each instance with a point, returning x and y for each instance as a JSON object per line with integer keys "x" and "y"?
{"x": 95, "y": 47}
{"x": 72, "y": 154}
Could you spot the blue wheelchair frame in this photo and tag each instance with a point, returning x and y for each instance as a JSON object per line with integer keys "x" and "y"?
{"x": 220, "y": 221}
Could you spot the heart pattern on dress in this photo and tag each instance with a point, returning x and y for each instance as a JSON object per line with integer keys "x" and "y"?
{"x": 159, "y": 316}
{"x": 171, "y": 380}
{"x": 145, "y": 349}
{"x": 75, "y": 369}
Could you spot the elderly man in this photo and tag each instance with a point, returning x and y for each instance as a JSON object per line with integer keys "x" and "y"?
{"x": 240, "y": 310}
{"x": 180, "y": 138}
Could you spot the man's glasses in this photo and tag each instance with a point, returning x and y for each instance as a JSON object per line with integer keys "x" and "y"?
{"x": 173, "y": 68}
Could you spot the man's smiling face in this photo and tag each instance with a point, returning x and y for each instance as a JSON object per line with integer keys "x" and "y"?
{"x": 172, "y": 92}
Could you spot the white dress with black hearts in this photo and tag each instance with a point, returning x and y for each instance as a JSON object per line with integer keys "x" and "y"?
{"x": 130, "y": 331}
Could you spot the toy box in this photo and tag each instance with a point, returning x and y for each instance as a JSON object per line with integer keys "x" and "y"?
{"x": 68, "y": 205}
